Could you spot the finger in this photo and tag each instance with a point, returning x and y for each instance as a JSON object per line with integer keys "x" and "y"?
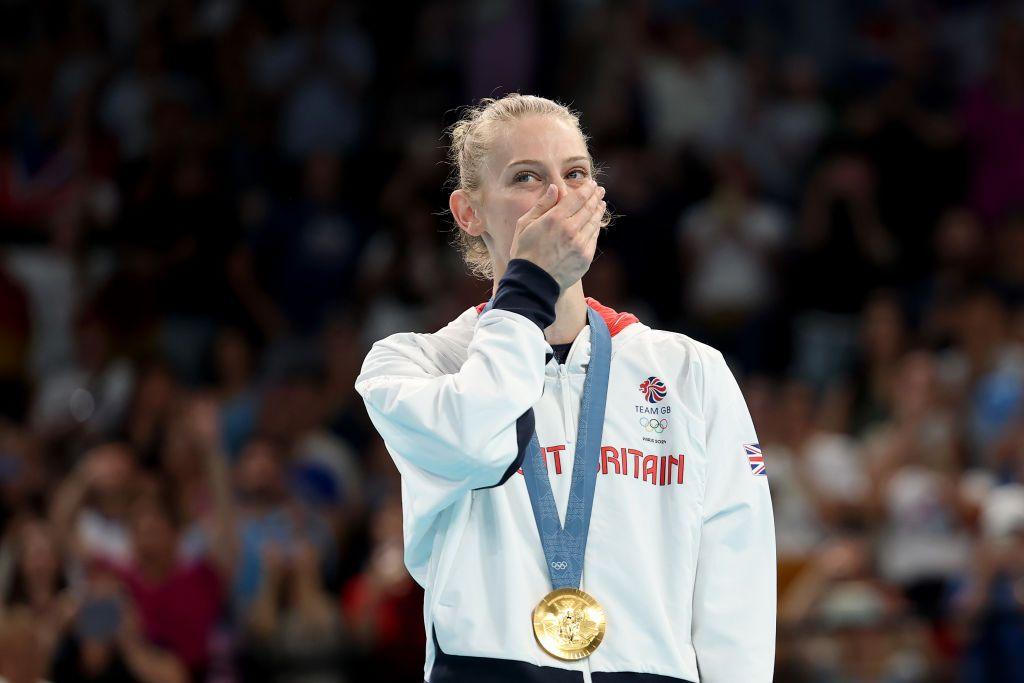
{"x": 594, "y": 232}
{"x": 592, "y": 227}
{"x": 580, "y": 201}
{"x": 546, "y": 201}
{"x": 582, "y": 216}
{"x": 589, "y": 230}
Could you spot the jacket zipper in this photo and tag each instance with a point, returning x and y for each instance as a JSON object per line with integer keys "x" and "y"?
{"x": 563, "y": 386}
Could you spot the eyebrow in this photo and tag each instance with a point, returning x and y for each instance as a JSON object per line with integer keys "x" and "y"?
{"x": 526, "y": 162}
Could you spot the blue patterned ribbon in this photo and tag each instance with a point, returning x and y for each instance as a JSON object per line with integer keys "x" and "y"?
{"x": 564, "y": 547}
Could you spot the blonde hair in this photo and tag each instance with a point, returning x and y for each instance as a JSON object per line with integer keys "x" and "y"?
{"x": 472, "y": 138}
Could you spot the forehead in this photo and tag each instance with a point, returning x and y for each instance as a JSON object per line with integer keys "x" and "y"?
{"x": 547, "y": 139}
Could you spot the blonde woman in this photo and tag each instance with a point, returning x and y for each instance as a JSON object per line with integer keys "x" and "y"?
{"x": 584, "y": 498}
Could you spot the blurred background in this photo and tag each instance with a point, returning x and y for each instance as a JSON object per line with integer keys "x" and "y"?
{"x": 209, "y": 209}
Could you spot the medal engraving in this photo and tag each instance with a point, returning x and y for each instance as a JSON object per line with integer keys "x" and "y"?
{"x": 569, "y": 624}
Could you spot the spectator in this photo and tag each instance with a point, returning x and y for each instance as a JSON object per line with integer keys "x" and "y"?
{"x": 884, "y": 339}
{"x": 33, "y": 583}
{"x": 207, "y": 208}
{"x": 381, "y": 603}
{"x": 294, "y": 632}
{"x": 728, "y": 249}
{"x": 841, "y": 241}
{"x": 177, "y": 602}
{"x": 89, "y": 398}
{"x": 993, "y": 123}
{"x": 105, "y": 642}
{"x": 22, "y": 658}
{"x": 817, "y": 475}
{"x": 301, "y": 263}
{"x": 267, "y": 512}
{"x": 915, "y": 459}
{"x": 90, "y": 509}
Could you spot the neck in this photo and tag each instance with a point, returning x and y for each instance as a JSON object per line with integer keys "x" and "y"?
{"x": 570, "y": 314}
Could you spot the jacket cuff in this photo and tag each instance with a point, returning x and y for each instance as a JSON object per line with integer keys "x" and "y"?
{"x": 529, "y": 290}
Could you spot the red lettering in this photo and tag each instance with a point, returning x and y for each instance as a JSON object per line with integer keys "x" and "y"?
{"x": 651, "y": 468}
{"x": 556, "y": 451}
{"x": 661, "y": 475}
{"x": 636, "y": 461}
{"x": 678, "y": 462}
{"x": 610, "y": 453}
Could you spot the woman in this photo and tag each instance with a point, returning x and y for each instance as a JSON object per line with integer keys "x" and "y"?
{"x": 542, "y": 420}
{"x": 32, "y": 578}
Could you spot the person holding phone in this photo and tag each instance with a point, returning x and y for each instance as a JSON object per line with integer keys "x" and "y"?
{"x": 105, "y": 640}
{"x": 584, "y": 497}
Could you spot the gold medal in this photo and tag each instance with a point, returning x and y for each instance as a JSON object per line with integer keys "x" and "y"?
{"x": 568, "y": 623}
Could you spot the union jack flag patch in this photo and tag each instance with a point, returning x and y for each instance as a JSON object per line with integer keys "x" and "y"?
{"x": 756, "y": 458}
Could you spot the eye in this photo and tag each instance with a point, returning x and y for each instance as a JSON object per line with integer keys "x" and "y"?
{"x": 582, "y": 173}
{"x": 521, "y": 174}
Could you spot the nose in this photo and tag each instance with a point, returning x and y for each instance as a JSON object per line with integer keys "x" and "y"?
{"x": 564, "y": 188}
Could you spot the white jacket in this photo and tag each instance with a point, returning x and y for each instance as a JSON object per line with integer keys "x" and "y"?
{"x": 681, "y": 549}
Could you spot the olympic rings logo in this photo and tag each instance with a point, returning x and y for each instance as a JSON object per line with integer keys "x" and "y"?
{"x": 653, "y": 424}
{"x": 560, "y": 565}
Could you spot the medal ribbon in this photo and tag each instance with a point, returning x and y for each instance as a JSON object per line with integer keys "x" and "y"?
{"x": 564, "y": 547}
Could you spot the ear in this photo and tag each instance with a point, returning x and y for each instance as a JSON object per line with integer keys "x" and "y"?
{"x": 464, "y": 213}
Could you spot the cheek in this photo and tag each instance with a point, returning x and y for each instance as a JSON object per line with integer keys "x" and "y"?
{"x": 507, "y": 210}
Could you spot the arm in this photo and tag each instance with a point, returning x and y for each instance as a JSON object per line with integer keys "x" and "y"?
{"x": 262, "y": 618}
{"x": 451, "y": 433}
{"x": 203, "y": 420}
{"x": 258, "y": 303}
{"x": 146, "y": 662}
{"x": 734, "y": 592}
{"x": 151, "y": 665}
{"x": 66, "y": 504}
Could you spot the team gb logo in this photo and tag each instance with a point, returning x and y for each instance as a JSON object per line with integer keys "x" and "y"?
{"x": 653, "y": 389}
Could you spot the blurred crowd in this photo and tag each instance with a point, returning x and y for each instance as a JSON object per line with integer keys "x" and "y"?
{"x": 209, "y": 209}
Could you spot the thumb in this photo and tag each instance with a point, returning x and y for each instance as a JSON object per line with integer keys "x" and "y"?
{"x": 547, "y": 200}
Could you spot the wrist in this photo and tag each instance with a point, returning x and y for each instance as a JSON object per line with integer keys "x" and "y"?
{"x": 529, "y": 290}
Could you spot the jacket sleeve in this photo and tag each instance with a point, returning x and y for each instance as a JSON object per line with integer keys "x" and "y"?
{"x": 734, "y": 592}
{"x": 450, "y": 433}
